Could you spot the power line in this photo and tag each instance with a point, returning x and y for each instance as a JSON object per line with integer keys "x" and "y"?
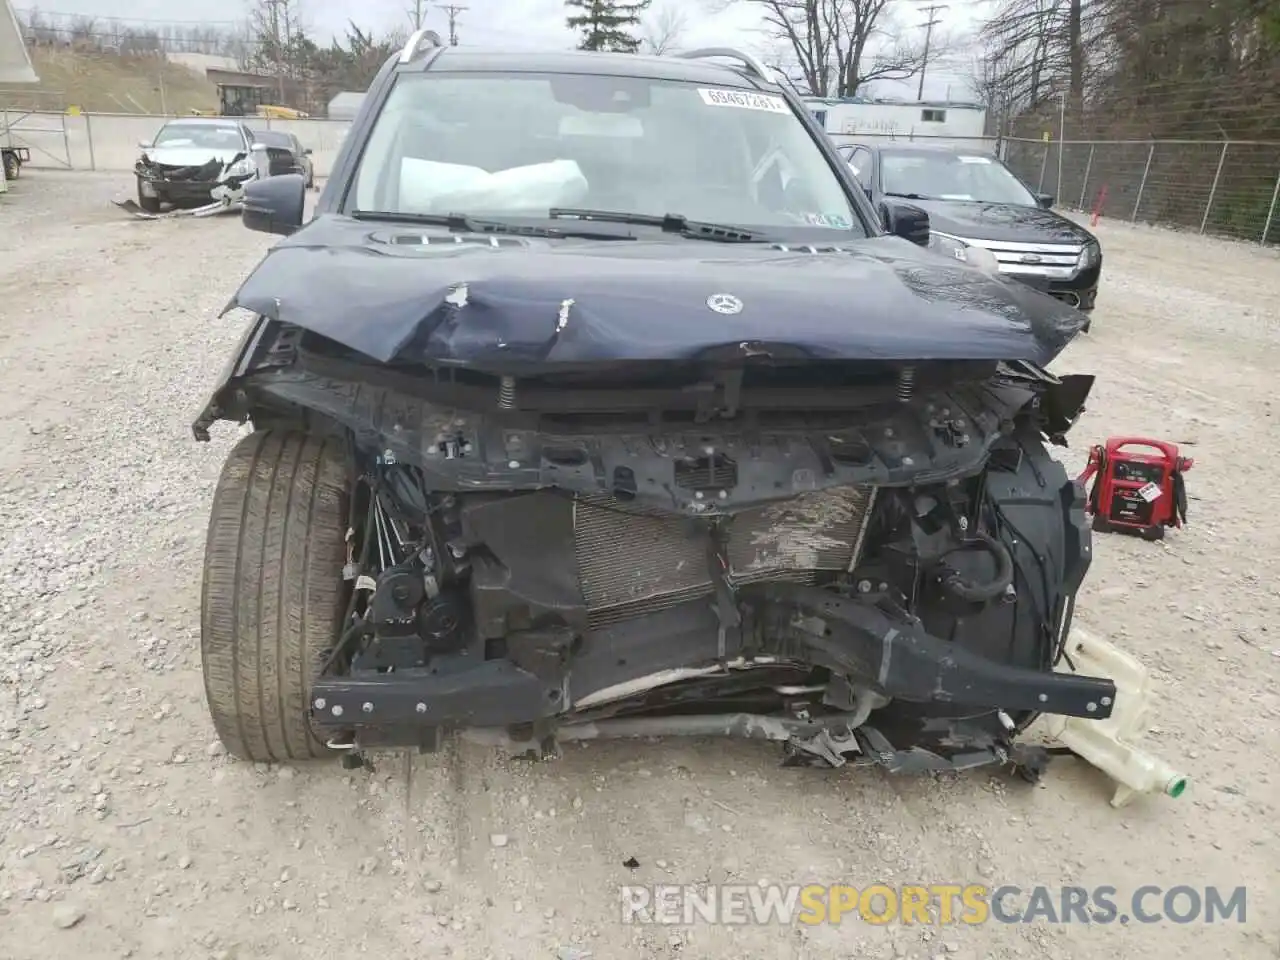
{"x": 452, "y": 11}
{"x": 416, "y": 14}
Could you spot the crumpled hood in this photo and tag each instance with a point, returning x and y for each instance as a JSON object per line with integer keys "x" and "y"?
{"x": 1001, "y": 221}
{"x": 507, "y": 303}
{"x": 190, "y": 156}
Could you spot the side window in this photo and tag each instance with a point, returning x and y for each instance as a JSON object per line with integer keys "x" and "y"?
{"x": 861, "y": 164}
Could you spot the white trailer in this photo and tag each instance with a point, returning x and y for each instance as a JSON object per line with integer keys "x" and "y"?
{"x": 15, "y": 67}
{"x": 926, "y": 119}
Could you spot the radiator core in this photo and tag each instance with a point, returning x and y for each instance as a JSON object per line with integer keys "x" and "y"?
{"x": 636, "y": 561}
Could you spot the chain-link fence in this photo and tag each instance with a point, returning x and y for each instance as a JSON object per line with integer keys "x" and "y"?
{"x": 106, "y": 141}
{"x": 1226, "y": 187}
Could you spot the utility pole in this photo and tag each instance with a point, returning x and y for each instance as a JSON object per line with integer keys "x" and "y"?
{"x": 453, "y": 11}
{"x": 277, "y": 42}
{"x": 928, "y": 25}
{"x": 417, "y": 13}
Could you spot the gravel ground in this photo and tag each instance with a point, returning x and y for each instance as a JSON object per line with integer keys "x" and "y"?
{"x": 124, "y": 831}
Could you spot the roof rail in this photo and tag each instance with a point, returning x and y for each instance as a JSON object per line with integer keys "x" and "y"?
{"x": 746, "y": 59}
{"x": 417, "y": 39}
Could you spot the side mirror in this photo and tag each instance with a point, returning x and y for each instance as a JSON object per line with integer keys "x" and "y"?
{"x": 306, "y": 151}
{"x": 275, "y": 205}
{"x": 905, "y": 221}
{"x": 1045, "y": 200}
{"x": 144, "y": 144}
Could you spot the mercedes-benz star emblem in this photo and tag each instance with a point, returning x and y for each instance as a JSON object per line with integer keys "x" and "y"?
{"x": 725, "y": 303}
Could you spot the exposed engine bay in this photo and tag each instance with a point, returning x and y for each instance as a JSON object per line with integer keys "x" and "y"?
{"x": 560, "y": 473}
{"x": 886, "y": 574}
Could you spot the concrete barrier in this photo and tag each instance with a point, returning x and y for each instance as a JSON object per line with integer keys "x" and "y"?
{"x": 109, "y": 141}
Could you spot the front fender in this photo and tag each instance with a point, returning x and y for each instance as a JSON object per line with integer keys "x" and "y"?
{"x": 1063, "y": 404}
{"x": 243, "y": 358}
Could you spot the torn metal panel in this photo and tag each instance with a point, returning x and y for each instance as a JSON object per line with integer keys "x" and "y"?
{"x": 209, "y": 172}
{"x": 234, "y": 172}
{"x": 527, "y": 303}
{"x": 220, "y": 181}
{"x": 227, "y": 203}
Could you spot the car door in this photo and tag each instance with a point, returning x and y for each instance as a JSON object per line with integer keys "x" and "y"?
{"x": 259, "y": 159}
{"x": 302, "y": 161}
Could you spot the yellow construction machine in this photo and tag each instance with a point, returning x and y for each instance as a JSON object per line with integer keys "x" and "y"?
{"x": 238, "y": 100}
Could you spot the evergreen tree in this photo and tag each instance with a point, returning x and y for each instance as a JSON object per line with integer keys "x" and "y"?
{"x": 607, "y": 24}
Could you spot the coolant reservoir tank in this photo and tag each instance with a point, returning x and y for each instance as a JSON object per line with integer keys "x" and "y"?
{"x": 1111, "y": 745}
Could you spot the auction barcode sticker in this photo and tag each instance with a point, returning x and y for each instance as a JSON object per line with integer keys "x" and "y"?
{"x": 1150, "y": 493}
{"x": 743, "y": 99}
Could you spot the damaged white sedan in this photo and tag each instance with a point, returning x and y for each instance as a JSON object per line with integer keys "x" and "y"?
{"x": 198, "y": 165}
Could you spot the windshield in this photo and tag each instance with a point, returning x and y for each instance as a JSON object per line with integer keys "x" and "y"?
{"x": 519, "y": 145}
{"x": 952, "y": 176}
{"x": 199, "y": 135}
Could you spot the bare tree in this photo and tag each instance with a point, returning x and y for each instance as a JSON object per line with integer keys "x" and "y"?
{"x": 1130, "y": 69}
{"x": 83, "y": 32}
{"x": 240, "y": 45}
{"x": 661, "y": 33}
{"x": 1035, "y": 49}
{"x": 839, "y": 46}
{"x": 274, "y": 26}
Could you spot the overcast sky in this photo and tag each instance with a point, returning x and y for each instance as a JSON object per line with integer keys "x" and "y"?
{"x": 520, "y": 23}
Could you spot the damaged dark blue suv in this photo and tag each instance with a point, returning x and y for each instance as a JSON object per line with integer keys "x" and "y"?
{"x": 593, "y": 400}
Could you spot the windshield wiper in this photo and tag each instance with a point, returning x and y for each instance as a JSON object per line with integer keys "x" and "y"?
{"x": 911, "y": 196}
{"x": 461, "y": 223}
{"x": 669, "y": 223}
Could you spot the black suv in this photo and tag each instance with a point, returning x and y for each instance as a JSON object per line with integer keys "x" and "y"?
{"x": 973, "y": 198}
{"x": 593, "y": 401}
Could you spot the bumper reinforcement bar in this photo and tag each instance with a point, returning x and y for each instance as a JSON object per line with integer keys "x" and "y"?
{"x": 887, "y": 653}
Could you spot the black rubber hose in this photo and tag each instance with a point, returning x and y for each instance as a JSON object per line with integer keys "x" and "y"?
{"x": 958, "y": 586}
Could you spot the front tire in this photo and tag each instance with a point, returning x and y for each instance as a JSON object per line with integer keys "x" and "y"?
{"x": 12, "y": 166}
{"x": 273, "y": 597}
